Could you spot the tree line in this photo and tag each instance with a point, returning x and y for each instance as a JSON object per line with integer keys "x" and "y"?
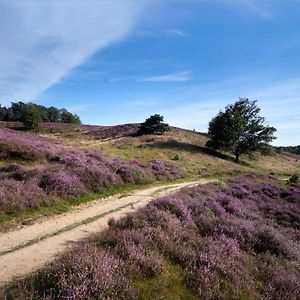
{"x": 31, "y": 114}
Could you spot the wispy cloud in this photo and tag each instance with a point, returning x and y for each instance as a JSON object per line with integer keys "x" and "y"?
{"x": 41, "y": 42}
{"x": 177, "y": 76}
{"x": 258, "y": 9}
{"x": 175, "y": 32}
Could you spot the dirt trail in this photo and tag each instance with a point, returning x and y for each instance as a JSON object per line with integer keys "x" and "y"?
{"x": 25, "y": 250}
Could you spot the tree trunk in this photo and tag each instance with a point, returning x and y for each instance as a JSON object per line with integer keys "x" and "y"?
{"x": 237, "y": 157}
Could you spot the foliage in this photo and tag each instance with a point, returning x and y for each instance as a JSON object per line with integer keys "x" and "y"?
{"x": 30, "y": 114}
{"x": 291, "y": 149}
{"x": 240, "y": 129}
{"x": 239, "y": 242}
{"x": 153, "y": 125}
{"x": 294, "y": 178}
{"x": 30, "y": 117}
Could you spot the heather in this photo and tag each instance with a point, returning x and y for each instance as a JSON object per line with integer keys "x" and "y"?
{"x": 39, "y": 172}
{"x": 235, "y": 241}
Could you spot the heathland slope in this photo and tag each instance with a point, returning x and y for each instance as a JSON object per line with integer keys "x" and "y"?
{"x": 184, "y": 147}
{"x": 239, "y": 240}
{"x": 49, "y": 169}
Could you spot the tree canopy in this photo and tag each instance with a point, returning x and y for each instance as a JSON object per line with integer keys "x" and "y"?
{"x": 30, "y": 113}
{"x": 154, "y": 125}
{"x": 240, "y": 129}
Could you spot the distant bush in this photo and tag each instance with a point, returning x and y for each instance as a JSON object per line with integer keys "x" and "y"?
{"x": 294, "y": 178}
{"x": 176, "y": 157}
{"x": 153, "y": 125}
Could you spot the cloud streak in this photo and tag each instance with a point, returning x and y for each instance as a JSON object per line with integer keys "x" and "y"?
{"x": 42, "y": 42}
{"x": 172, "y": 77}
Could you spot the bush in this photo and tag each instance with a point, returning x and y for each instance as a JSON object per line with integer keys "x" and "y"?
{"x": 18, "y": 196}
{"x": 153, "y": 125}
{"x": 62, "y": 183}
{"x": 294, "y": 178}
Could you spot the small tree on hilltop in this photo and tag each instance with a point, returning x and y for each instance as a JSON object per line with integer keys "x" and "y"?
{"x": 240, "y": 129}
{"x": 31, "y": 116}
{"x": 154, "y": 125}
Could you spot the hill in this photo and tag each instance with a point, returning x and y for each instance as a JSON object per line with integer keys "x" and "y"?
{"x": 184, "y": 147}
{"x": 51, "y": 168}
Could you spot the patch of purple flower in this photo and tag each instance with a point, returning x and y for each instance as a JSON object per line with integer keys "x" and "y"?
{"x": 68, "y": 172}
{"x": 228, "y": 242}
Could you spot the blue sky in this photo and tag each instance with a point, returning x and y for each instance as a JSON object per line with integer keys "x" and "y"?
{"x": 115, "y": 62}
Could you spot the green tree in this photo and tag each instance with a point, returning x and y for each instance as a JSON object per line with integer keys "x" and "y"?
{"x": 240, "y": 129}
{"x": 53, "y": 114}
{"x": 31, "y": 116}
{"x": 154, "y": 125}
{"x": 17, "y": 109}
{"x": 3, "y": 112}
{"x": 67, "y": 117}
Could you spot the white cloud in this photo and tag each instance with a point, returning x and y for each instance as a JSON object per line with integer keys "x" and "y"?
{"x": 41, "y": 42}
{"x": 179, "y": 76}
{"x": 175, "y": 32}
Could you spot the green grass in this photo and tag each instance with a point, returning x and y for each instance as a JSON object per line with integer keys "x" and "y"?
{"x": 168, "y": 286}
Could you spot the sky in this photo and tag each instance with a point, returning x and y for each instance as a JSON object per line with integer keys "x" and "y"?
{"x": 114, "y": 62}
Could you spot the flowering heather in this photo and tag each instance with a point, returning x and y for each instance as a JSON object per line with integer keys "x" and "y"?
{"x": 26, "y": 146}
{"x": 62, "y": 183}
{"x": 16, "y": 195}
{"x": 224, "y": 240}
{"x": 66, "y": 172}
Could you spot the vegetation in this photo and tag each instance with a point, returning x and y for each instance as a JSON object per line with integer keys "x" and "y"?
{"x": 63, "y": 172}
{"x": 30, "y": 117}
{"x": 154, "y": 125}
{"x": 294, "y": 178}
{"x": 31, "y": 114}
{"x": 240, "y": 129}
{"x": 207, "y": 242}
{"x": 290, "y": 149}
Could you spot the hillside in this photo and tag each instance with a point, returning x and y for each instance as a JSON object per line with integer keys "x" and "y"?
{"x": 253, "y": 218}
{"x": 184, "y": 147}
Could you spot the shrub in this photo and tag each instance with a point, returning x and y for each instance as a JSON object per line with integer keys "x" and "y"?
{"x": 153, "y": 125}
{"x": 18, "y": 196}
{"x": 294, "y": 178}
{"x": 62, "y": 183}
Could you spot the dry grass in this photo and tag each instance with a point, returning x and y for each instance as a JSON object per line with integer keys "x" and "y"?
{"x": 186, "y": 148}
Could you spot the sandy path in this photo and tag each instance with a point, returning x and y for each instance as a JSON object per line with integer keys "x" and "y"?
{"x": 29, "y": 248}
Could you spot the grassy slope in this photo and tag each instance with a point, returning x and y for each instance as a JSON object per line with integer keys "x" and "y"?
{"x": 194, "y": 157}
{"x": 188, "y": 146}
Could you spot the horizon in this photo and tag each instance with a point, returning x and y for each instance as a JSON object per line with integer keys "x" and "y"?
{"x": 120, "y": 62}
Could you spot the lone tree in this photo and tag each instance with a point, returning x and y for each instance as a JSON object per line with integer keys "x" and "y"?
{"x": 154, "y": 125}
{"x": 240, "y": 129}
